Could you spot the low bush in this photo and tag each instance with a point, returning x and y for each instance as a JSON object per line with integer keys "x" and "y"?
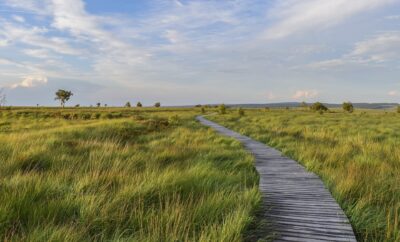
{"x": 319, "y": 107}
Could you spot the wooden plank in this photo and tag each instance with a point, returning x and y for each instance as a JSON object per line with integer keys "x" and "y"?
{"x": 296, "y": 202}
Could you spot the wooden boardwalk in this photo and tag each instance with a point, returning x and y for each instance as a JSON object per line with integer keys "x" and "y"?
{"x": 295, "y": 201}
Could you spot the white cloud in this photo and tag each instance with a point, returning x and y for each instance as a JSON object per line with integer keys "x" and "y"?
{"x": 37, "y": 53}
{"x": 35, "y": 36}
{"x": 393, "y": 93}
{"x": 172, "y": 36}
{"x": 393, "y": 17}
{"x": 299, "y": 94}
{"x": 31, "y": 81}
{"x": 294, "y": 16}
{"x": 381, "y": 48}
{"x": 18, "y": 18}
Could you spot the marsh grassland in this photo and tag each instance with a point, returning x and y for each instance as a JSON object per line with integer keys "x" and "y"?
{"x": 356, "y": 154}
{"x": 121, "y": 175}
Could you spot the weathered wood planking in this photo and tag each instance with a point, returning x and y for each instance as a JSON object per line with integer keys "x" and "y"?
{"x": 296, "y": 201}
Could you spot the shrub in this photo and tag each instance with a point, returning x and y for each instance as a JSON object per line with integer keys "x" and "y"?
{"x": 139, "y": 105}
{"x": 348, "y": 107}
{"x": 108, "y": 116}
{"x": 222, "y": 109}
{"x": 157, "y": 104}
{"x": 156, "y": 124}
{"x": 398, "y": 109}
{"x": 75, "y": 116}
{"x": 127, "y": 104}
{"x": 174, "y": 120}
{"x": 318, "y": 107}
{"x": 66, "y": 116}
{"x": 96, "y": 115}
{"x": 203, "y": 110}
{"x": 241, "y": 112}
{"x": 85, "y": 116}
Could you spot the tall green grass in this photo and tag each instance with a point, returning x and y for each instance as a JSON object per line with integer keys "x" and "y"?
{"x": 137, "y": 176}
{"x": 357, "y": 155}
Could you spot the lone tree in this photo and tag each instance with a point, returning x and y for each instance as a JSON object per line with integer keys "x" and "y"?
{"x": 63, "y": 96}
{"x": 139, "y": 105}
{"x": 98, "y": 104}
{"x": 241, "y": 112}
{"x": 319, "y": 107}
{"x": 157, "y": 104}
{"x": 222, "y": 109}
{"x": 304, "y": 105}
{"x": 348, "y": 107}
{"x": 128, "y": 105}
{"x": 2, "y": 98}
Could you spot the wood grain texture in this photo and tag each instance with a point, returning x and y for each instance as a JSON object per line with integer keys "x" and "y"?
{"x": 296, "y": 202}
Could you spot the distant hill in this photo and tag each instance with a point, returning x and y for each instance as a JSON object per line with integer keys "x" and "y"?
{"x": 329, "y": 105}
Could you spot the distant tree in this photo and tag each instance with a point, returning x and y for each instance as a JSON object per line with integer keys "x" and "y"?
{"x": 198, "y": 106}
{"x": 3, "y": 98}
{"x": 348, "y": 107}
{"x": 139, "y": 105}
{"x": 304, "y": 105}
{"x": 241, "y": 112}
{"x": 77, "y": 105}
{"x": 319, "y": 107}
{"x": 105, "y": 105}
{"x": 128, "y": 105}
{"x": 98, "y": 105}
{"x": 63, "y": 96}
{"x": 222, "y": 109}
{"x": 157, "y": 104}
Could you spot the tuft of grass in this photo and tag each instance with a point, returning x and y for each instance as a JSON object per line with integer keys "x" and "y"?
{"x": 357, "y": 156}
{"x": 121, "y": 175}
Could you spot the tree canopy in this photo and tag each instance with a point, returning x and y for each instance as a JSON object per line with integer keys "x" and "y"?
{"x": 63, "y": 96}
{"x": 348, "y": 107}
{"x": 318, "y": 107}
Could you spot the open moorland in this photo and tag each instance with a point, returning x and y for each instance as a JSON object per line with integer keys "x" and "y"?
{"x": 356, "y": 154}
{"x": 108, "y": 174}
{"x": 155, "y": 174}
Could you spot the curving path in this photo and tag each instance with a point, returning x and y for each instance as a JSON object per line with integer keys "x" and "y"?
{"x": 296, "y": 201}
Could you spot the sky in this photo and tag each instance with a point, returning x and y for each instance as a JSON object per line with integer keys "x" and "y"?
{"x": 182, "y": 52}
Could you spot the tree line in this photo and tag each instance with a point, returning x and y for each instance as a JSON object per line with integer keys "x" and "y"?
{"x": 64, "y": 96}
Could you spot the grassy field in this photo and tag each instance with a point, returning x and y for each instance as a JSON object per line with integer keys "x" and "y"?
{"x": 121, "y": 175}
{"x": 357, "y": 155}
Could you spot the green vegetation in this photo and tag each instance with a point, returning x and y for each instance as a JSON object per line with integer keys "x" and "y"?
{"x": 222, "y": 109}
{"x": 241, "y": 112}
{"x": 139, "y": 105}
{"x": 127, "y": 104}
{"x": 348, "y": 107}
{"x": 3, "y": 98}
{"x": 318, "y": 107}
{"x": 157, "y": 104}
{"x": 63, "y": 96}
{"x": 107, "y": 174}
{"x": 357, "y": 156}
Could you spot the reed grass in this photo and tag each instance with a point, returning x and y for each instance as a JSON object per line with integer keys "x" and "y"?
{"x": 357, "y": 155}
